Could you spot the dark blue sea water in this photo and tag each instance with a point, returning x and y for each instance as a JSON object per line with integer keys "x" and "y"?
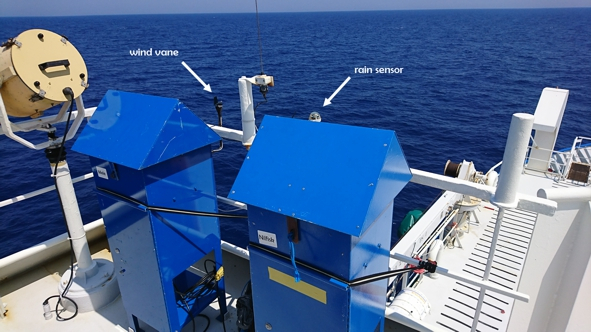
{"x": 465, "y": 72}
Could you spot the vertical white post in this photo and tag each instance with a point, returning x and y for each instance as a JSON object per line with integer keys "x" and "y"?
{"x": 73, "y": 217}
{"x": 513, "y": 160}
{"x": 247, "y": 111}
{"x": 506, "y": 193}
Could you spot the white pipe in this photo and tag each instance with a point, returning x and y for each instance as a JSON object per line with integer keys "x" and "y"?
{"x": 467, "y": 279}
{"x": 8, "y": 128}
{"x": 506, "y": 193}
{"x": 227, "y": 133}
{"x": 33, "y": 124}
{"x": 491, "y": 254}
{"x": 77, "y": 120}
{"x": 232, "y": 202}
{"x": 247, "y": 111}
{"x": 581, "y": 194}
{"x": 439, "y": 181}
{"x": 236, "y": 250}
{"x": 73, "y": 218}
{"x": 513, "y": 160}
{"x": 38, "y": 192}
{"x": 484, "y": 192}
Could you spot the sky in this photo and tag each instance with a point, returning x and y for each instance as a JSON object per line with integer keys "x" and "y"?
{"x": 125, "y": 7}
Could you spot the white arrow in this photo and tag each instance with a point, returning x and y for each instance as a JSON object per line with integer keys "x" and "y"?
{"x": 327, "y": 101}
{"x": 206, "y": 87}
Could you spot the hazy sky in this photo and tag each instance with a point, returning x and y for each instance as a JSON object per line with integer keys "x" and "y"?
{"x": 114, "y": 7}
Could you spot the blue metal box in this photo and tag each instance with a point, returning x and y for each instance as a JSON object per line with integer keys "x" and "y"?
{"x": 153, "y": 151}
{"x": 326, "y": 191}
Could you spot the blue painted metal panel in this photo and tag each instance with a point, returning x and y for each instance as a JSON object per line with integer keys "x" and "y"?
{"x": 138, "y": 130}
{"x": 286, "y": 309}
{"x": 155, "y": 151}
{"x": 370, "y": 254}
{"x": 323, "y": 173}
{"x": 320, "y": 247}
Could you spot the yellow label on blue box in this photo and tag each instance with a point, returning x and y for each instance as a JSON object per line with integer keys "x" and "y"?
{"x": 302, "y": 286}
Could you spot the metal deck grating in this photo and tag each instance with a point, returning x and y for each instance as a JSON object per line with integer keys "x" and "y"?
{"x": 512, "y": 246}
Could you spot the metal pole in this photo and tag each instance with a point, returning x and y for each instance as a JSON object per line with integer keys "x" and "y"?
{"x": 506, "y": 194}
{"x": 73, "y": 218}
{"x": 247, "y": 111}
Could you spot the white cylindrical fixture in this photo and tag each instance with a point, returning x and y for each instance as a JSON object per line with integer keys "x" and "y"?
{"x": 247, "y": 111}
{"x": 411, "y": 303}
{"x": 581, "y": 194}
{"x": 513, "y": 159}
{"x": 72, "y": 214}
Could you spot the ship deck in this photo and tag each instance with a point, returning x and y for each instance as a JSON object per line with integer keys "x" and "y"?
{"x": 25, "y": 293}
{"x": 453, "y": 303}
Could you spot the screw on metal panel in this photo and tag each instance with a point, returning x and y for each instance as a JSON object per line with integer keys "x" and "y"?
{"x": 268, "y": 326}
{"x": 248, "y": 157}
{"x": 357, "y": 226}
{"x": 289, "y": 185}
{"x": 379, "y": 245}
{"x": 365, "y": 265}
{"x": 371, "y": 184}
{"x": 293, "y": 214}
{"x": 303, "y": 188}
{"x": 279, "y": 210}
{"x": 122, "y": 271}
{"x": 385, "y": 144}
{"x": 117, "y": 250}
{"x": 233, "y": 191}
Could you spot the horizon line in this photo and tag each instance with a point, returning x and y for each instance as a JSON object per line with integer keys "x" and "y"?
{"x": 302, "y": 12}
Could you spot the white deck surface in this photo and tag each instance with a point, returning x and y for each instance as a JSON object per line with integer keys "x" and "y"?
{"x": 453, "y": 303}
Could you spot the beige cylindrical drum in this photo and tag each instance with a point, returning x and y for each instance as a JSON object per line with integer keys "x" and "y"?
{"x": 35, "y": 67}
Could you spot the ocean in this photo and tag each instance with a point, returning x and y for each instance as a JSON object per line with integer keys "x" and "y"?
{"x": 447, "y": 81}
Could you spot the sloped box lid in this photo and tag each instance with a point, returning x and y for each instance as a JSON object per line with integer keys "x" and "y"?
{"x": 139, "y": 131}
{"x": 339, "y": 177}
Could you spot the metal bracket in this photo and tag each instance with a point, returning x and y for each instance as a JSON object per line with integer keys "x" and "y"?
{"x": 8, "y": 128}
{"x": 293, "y": 226}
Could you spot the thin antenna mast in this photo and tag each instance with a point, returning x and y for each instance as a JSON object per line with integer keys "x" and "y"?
{"x": 259, "y": 33}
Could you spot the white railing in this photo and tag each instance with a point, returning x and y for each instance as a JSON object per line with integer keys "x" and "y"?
{"x": 561, "y": 167}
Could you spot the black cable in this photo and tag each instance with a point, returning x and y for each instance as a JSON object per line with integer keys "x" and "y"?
{"x": 426, "y": 265}
{"x": 260, "y": 103}
{"x": 67, "y": 92}
{"x": 219, "y": 105}
{"x": 179, "y": 211}
{"x": 259, "y": 33}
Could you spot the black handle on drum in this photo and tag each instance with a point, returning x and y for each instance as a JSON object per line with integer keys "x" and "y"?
{"x": 48, "y": 64}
